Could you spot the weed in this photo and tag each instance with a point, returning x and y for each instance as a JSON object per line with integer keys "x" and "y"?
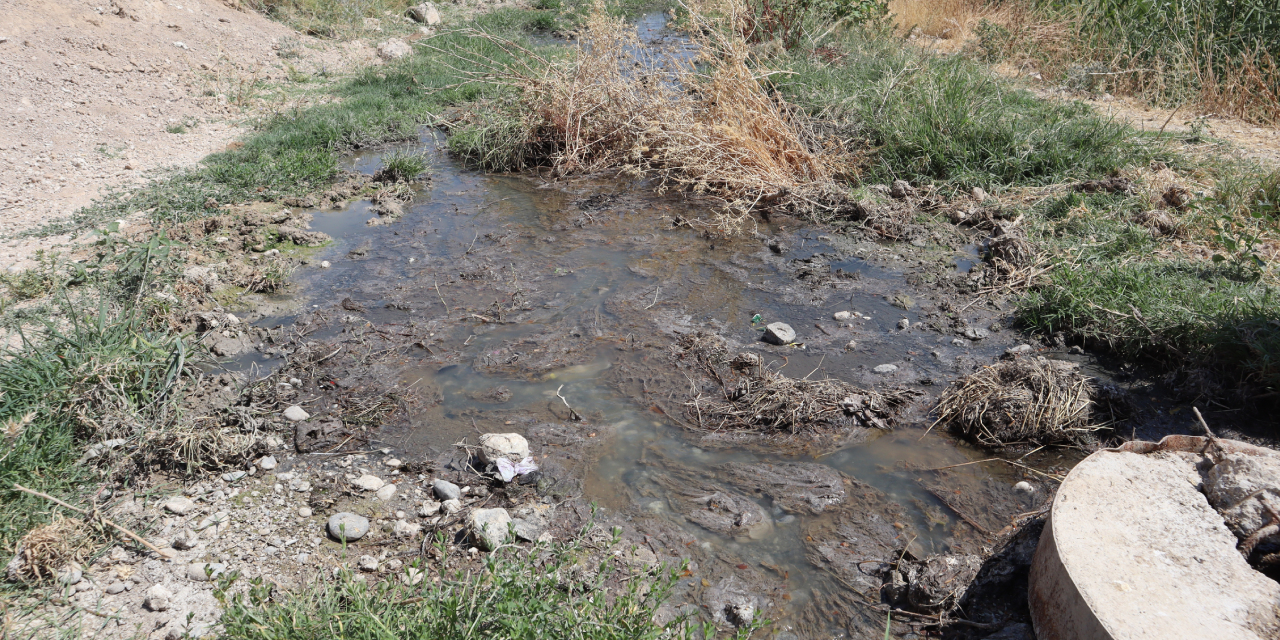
{"x": 32, "y": 283}
{"x": 547, "y": 591}
{"x": 949, "y": 121}
{"x": 177, "y": 127}
{"x": 401, "y": 166}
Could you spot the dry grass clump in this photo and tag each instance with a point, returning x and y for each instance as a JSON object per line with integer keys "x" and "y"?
{"x": 704, "y": 125}
{"x": 946, "y": 19}
{"x": 1020, "y": 400}
{"x": 47, "y": 549}
{"x": 756, "y": 399}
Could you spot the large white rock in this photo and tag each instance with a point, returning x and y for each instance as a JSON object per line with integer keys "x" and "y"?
{"x": 295, "y": 414}
{"x": 489, "y": 527}
{"x": 511, "y": 446}
{"x": 369, "y": 483}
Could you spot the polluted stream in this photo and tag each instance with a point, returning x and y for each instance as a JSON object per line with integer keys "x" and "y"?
{"x": 557, "y": 310}
{"x": 554, "y": 310}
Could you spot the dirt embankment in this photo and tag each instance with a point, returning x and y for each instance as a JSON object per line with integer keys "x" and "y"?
{"x": 95, "y": 95}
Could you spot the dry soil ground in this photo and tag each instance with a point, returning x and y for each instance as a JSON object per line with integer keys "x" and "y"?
{"x": 91, "y": 88}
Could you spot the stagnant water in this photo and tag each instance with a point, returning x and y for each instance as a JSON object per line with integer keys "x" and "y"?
{"x": 589, "y": 270}
{"x": 603, "y": 263}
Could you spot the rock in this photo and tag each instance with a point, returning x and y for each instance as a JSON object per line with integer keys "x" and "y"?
{"x": 842, "y": 316}
{"x": 525, "y": 530}
{"x": 779, "y": 333}
{"x": 234, "y": 475}
{"x": 304, "y": 512}
{"x": 369, "y": 483}
{"x": 204, "y": 571}
{"x": 425, "y": 13}
{"x": 904, "y": 324}
{"x": 115, "y": 588}
{"x": 446, "y": 490}
{"x": 386, "y": 492}
{"x": 959, "y": 342}
{"x": 185, "y": 540}
{"x": 851, "y": 345}
{"x": 367, "y": 563}
{"x": 394, "y": 463}
{"x": 1024, "y": 487}
{"x": 1076, "y": 350}
{"x": 511, "y": 446}
{"x": 180, "y": 505}
{"x": 900, "y": 189}
{"x": 489, "y": 527}
{"x": 324, "y": 264}
{"x": 794, "y": 487}
{"x": 429, "y": 508}
{"x": 979, "y": 194}
{"x": 268, "y": 463}
{"x": 295, "y": 414}
{"x": 393, "y": 49}
{"x": 1020, "y": 350}
{"x": 451, "y": 507}
{"x": 976, "y": 333}
{"x": 1237, "y": 487}
{"x": 71, "y": 574}
{"x": 885, "y": 369}
{"x": 158, "y": 598}
{"x": 348, "y": 526}
{"x": 404, "y": 529}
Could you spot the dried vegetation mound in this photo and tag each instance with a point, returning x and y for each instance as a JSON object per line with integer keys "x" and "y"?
{"x": 1024, "y": 399}
{"x": 755, "y": 399}
{"x": 702, "y": 124}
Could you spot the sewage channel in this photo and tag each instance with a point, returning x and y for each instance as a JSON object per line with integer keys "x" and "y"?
{"x": 546, "y": 296}
{"x": 578, "y": 290}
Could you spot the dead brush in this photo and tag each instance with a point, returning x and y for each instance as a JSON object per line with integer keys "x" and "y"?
{"x": 704, "y": 125}
{"x": 47, "y": 549}
{"x": 756, "y": 399}
{"x": 1025, "y": 399}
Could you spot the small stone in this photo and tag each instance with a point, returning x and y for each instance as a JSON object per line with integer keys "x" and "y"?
{"x": 386, "y": 492}
{"x": 324, "y": 264}
{"x": 158, "y": 598}
{"x": 394, "y": 463}
{"x": 904, "y": 324}
{"x": 511, "y": 446}
{"x": 304, "y": 512}
{"x": 1024, "y": 487}
{"x": 369, "y": 483}
{"x": 851, "y": 345}
{"x": 842, "y": 316}
{"x": 295, "y": 414}
{"x": 1019, "y": 350}
{"x": 367, "y": 563}
{"x": 179, "y": 505}
{"x": 525, "y": 530}
{"x": 348, "y": 526}
{"x": 115, "y": 588}
{"x": 959, "y": 342}
{"x": 204, "y": 571}
{"x": 185, "y": 540}
{"x": 446, "y": 490}
{"x": 779, "y": 333}
{"x": 979, "y": 194}
{"x": 976, "y": 333}
{"x": 429, "y": 508}
{"x": 393, "y": 49}
{"x": 886, "y": 368}
{"x": 234, "y": 475}
{"x": 405, "y": 529}
{"x": 71, "y": 574}
{"x": 268, "y": 463}
{"x": 451, "y": 507}
{"x": 489, "y": 527}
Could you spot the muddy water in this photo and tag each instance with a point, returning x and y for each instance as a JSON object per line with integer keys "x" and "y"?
{"x": 543, "y": 297}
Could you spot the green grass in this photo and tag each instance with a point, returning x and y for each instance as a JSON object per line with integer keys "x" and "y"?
{"x": 548, "y": 591}
{"x": 949, "y": 121}
{"x": 297, "y": 153}
{"x": 402, "y": 166}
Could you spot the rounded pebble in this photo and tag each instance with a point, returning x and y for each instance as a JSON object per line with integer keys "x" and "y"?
{"x": 348, "y": 526}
